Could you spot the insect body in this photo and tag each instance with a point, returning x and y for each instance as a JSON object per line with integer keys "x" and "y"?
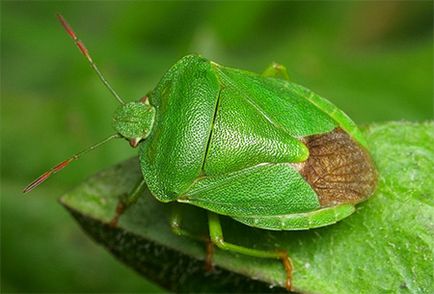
{"x": 265, "y": 151}
{"x": 261, "y": 150}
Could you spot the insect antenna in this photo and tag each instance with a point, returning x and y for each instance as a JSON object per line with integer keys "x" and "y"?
{"x": 65, "y": 163}
{"x": 86, "y": 54}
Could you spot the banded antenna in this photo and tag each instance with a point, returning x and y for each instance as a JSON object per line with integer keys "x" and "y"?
{"x": 86, "y": 54}
{"x": 65, "y": 163}
{"x": 76, "y": 156}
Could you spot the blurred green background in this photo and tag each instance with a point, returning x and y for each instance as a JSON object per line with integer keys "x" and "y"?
{"x": 372, "y": 59}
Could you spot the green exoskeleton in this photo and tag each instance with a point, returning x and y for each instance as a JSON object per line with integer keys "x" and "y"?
{"x": 262, "y": 150}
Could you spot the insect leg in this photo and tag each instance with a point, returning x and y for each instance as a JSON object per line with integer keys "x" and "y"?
{"x": 276, "y": 69}
{"x": 127, "y": 201}
{"x": 175, "y": 224}
{"x": 216, "y": 235}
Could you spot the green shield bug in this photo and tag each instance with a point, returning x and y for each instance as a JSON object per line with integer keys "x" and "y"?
{"x": 262, "y": 150}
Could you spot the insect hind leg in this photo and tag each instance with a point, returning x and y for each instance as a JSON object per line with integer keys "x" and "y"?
{"x": 276, "y": 70}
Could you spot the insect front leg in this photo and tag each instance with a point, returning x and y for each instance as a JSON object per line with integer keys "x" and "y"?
{"x": 216, "y": 235}
{"x": 125, "y": 202}
{"x": 275, "y": 70}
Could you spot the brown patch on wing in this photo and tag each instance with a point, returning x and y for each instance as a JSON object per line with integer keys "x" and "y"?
{"x": 338, "y": 168}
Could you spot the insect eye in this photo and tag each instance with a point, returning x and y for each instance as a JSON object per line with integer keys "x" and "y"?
{"x": 134, "y": 142}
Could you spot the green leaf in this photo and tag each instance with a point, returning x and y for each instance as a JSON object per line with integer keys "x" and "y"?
{"x": 386, "y": 246}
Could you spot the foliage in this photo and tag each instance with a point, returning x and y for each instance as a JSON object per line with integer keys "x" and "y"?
{"x": 386, "y": 246}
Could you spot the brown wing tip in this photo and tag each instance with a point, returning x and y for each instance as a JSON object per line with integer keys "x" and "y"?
{"x": 338, "y": 168}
